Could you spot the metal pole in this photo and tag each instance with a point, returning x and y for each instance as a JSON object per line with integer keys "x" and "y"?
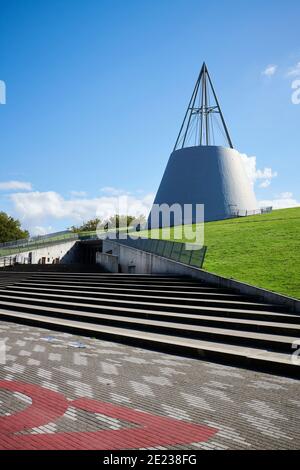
{"x": 206, "y": 106}
{"x": 202, "y": 111}
{"x": 191, "y": 110}
{"x": 221, "y": 115}
{"x": 192, "y": 100}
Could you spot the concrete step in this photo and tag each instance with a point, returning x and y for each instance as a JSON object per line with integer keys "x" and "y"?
{"x": 136, "y": 300}
{"x": 126, "y": 282}
{"x": 121, "y": 291}
{"x": 128, "y": 285}
{"x": 108, "y": 304}
{"x": 170, "y": 313}
{"x": 95, "y": 275}
{"x": 108, "y": 278}
{"x": 9, "y": 278}
{"x": 286, "y": 324}
{"x": 210, "y": 350}
{"x": 97, "y": 315}
{"x": 139, "y": 279}
{"x": 232, "y": 315}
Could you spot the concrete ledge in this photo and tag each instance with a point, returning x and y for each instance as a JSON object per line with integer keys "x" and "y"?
{"x": 247, "y": 289}
{"x": 149, "y": 263}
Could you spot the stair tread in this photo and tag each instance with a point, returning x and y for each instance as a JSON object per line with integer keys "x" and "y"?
{"x": 134, "y": 291}
{"x": 252, "y": 353}
{"x": 217, "y": 318}
{"x": 195, "y": 286}
{"x": 98, "y": 305}
{"x": 111, "y": 275}
{"x": 163, "y": 280}
{"x": 201, "y": 291}
{"x": 171, "y": 325}
{"x": 157, "y": 311}
{"x": 226, "y": 302}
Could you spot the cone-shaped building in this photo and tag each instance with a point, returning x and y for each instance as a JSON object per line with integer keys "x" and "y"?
{"x": 200, "y": 172}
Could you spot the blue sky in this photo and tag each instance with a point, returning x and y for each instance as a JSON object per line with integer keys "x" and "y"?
{"x": 96, "y": 91}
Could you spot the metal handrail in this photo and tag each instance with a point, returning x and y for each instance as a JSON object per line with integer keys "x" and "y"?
{"x": 246, "y": 212}
{"x": 34, "y": 239}
{"x": 28, "y": 244}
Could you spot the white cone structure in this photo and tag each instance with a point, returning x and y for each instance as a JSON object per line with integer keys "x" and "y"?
{"x": 211, "y": 175}
{"x": 199, "y": 172}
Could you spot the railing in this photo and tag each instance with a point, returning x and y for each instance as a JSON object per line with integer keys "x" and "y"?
{"x": 246, "y": 212}
{"x": 266, "y": 210}
{"x": 12, "y": 260}
{"x": 34, "y": 245}
{"x": 28, "y": 244}
{"x": 7, "y": 261}
{"x": 190, "y": 254}
{"x": 35, "y": 239}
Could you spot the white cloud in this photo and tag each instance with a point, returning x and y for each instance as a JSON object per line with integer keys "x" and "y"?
{"x": 294, "y": 71}
{"x": 78, "y": 193}
{"x": 254, "y": 174}
{"x": 265, "y": 173}
{"x": 282, "y": 201}
{"x": 286, "y": 195}
{"x": 265, "y": 184}
{"x": 270, "y": 70}
{"x": 112, "y": 191}
{"x": 39, "y": 230}
{"x": 15, "y": 186}
{"x": 35, "y": 207}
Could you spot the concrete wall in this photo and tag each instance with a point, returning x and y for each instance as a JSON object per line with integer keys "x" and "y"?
{"x": 130, "y": 260}
{"x": 140, "y": 262}
{"x": 65, "y": 251}
{"x": 107, "y": 262}
{"x": 211, "y": 175}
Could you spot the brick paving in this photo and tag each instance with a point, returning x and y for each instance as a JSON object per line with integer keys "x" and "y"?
{"x": 78, "y": 392}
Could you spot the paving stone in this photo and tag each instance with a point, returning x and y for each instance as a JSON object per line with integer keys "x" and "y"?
{"x": 142, "y": 389}
{"x": 196, "y": 401}
{"x": 24, "y": 353}
{"x": 157, "y": 380}
{"x": 39, "y": 348}
{"x": 54, "y": 357}
{"x": 80, "y": 360}
{"x": 249, "y": 410}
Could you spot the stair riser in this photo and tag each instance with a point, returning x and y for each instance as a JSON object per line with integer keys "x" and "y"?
{"x": 131, "y": 285}
{"x": 133, "y": 277}
{"x": 173, "y": 331}
{"x": 154, "y": 290}
{"x": 94, "y": 307}
{"x": 184, "y": 319}
{"x": 98, "y": 293}
{"x": 290, "y": 370}
{"x": 106, "y": 301}
{"x": 126, "y": 302}
{"x": 121, "y": 280}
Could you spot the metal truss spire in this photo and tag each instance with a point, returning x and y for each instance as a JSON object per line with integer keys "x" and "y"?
{"x": 201, "y": 117}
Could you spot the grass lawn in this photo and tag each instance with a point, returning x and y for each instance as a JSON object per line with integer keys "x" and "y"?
{"x": 262, "y": 250}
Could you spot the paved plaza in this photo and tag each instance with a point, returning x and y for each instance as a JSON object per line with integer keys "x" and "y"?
{"x": 61, "y": 391}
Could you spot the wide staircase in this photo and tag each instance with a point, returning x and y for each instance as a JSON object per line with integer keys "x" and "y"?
{"x": 174, "y": 314}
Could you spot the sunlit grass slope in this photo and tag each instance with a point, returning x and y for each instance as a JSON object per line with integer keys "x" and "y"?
{"x": 262, "y": 250}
